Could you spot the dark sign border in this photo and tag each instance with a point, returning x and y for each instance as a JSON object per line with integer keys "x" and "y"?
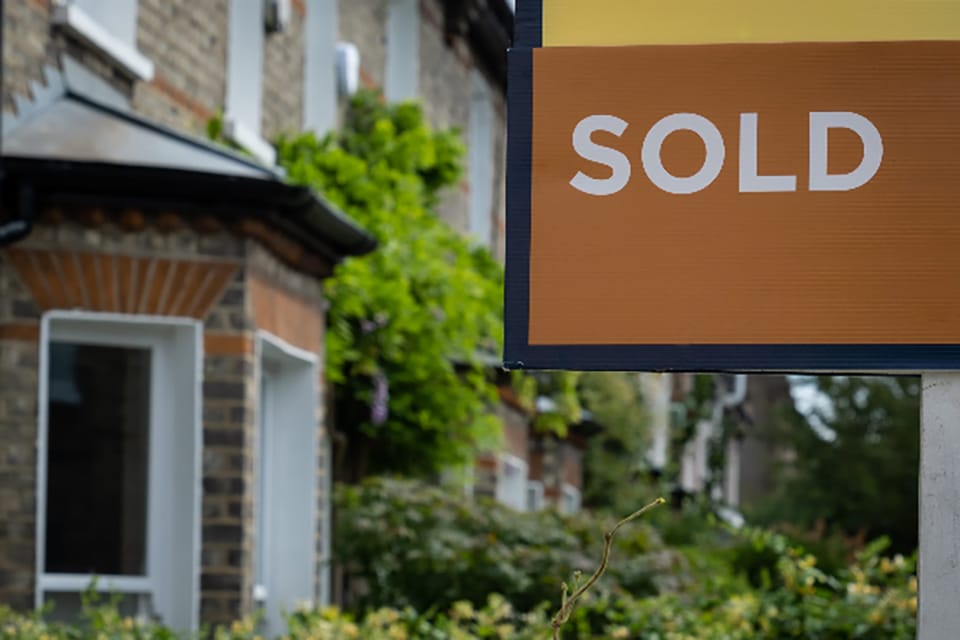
{"x": 520, "y": 354}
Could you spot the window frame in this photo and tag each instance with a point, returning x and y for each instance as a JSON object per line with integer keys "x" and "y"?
{"x": 402, "y": 68}
{"x": 242, "y": 123}
{"x": 570, "y": 491}
{"x": 507, "y": 497}
{"x": 539, "y": 502}
{"x": 480, "y": 161}
{"x": 167, "y": 339}
{"x": 289, "y": 432}
{"x": 84, "y": 26}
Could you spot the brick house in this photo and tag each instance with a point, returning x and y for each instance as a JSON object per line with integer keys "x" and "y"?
{"x": 143, "y": 264}
{"x": 161, "y": 308}
{"x": 533, "y": 470}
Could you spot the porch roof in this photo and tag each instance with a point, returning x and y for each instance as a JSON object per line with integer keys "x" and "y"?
{"x": 64, "y": 146}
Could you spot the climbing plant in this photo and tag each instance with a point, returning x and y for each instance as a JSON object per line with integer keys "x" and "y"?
{"x": 411, "y": 325}
{"x": 415, "y": 327}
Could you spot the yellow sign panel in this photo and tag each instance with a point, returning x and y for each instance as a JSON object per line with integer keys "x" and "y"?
{"x": 580, "y": 23}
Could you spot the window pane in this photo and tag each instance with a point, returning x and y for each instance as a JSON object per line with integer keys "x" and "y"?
{"x": 97, "y": 454}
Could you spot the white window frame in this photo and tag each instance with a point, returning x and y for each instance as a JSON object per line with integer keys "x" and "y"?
{"x": 292, "y": 444}
{"x": 244, "y": 99}
{"x": 171, "y": 584}
{"x": 402, "y": 76}
{"x": 571, "y": 492}
{"x": 512, "y": 496}
{"x": 480, "y": 159}
{"x": 536, "y": 488}
{"x": 320, "y": 67}
{"x": 82, "y": 25}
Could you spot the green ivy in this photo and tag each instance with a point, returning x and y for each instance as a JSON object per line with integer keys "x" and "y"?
{"x": 409, "y": 324}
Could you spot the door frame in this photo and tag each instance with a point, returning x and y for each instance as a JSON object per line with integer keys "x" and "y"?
{"x": 293, "y": 436}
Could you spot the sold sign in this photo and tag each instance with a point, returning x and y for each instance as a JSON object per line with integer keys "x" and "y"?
{"x": 740, "y": 206}
{"x": 712, "y": 139}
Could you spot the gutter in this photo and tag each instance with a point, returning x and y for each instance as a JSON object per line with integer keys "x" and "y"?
{"x": 293, "y": 209}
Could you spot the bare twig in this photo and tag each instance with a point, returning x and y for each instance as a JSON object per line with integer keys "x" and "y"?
{"x": 569, "y": 602}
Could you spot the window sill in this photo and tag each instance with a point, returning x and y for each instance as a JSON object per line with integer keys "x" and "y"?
{"x": 67, "y": 582}
{"x": 79, "y": 23}
{"x": 236, "y": 131}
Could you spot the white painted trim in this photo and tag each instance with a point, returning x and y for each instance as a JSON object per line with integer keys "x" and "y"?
{"x": 236, "y": 131}
{"x": 105, "y": 584}
{"x": 295, "y": 375}
{"x": 326, "y": 542}
{"x": 79, "y": 23}
{"x": 540, "y": 501}
{"x": 571, "y": 491}
{"x": 505, "y": 459}
{"x": 43, "y": 374}
{"x": 402, "y": 73}
{"x": 158, "y": 333}
{"x": 272, "y": 342}
{"x": 121, "y": 318}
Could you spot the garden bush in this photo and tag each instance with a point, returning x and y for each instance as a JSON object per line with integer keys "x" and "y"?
{"x": 439, "y": 567}
{"x": 425, "y": 547}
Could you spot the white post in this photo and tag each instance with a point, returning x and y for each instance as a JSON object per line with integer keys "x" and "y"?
{"x": 939, "y": 570}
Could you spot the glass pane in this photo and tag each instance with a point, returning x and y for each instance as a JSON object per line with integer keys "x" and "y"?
{"x": 97, "y": 454}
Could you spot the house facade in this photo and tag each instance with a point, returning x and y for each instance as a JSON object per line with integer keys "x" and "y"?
{"x": 161, "y": 305}
{"x": 161, "y": 308}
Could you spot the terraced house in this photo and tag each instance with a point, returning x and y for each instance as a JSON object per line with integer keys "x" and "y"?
{"x": 161, "y": 302}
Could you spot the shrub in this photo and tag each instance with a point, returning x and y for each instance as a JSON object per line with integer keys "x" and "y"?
{"x": 419, "y": 546}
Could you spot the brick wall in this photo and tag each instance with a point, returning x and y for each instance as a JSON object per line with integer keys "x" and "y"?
{"x": 283, "y": 60}
{"x": 364, "y": 24}
{"x": 19, "y": 330}
{"x": 446, "y": 88}
{"x": 229, "y": 402}
{"x": 189, "y": 81}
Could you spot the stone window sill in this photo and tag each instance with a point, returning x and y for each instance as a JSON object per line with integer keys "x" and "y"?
{"x": 238, "y": 132}
{"x": 80, "y": 24}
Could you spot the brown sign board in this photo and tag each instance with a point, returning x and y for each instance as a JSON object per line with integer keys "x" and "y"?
{"x": 743, "y": 206}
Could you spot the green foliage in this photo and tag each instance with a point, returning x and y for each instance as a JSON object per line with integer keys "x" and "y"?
{"x": 615, "y": 457}
{"x": 861, "y": 481}
{"x": 874, "y": 598}
{"x": 424, "y": 549}
{"x": 407, "y": 325}
{"x": 419, "y": 546}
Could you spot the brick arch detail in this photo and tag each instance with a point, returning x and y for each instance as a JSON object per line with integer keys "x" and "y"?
{"x": 117, "y": 283}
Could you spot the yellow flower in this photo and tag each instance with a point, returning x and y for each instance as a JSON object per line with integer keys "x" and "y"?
{"x": 620, "y": 633}
{"x": 462, "y": 610}
{"x": 912, "y": 585}
{"x": 396, "y": 632}
{"x": 876, "y": 617}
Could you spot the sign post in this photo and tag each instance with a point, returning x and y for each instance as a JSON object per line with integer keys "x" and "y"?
{"x": 939, "y": 566}
{"x": 746, "y": 186}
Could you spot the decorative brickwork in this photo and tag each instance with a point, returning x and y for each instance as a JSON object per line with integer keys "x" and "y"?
{"x": 120, "y": 283}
